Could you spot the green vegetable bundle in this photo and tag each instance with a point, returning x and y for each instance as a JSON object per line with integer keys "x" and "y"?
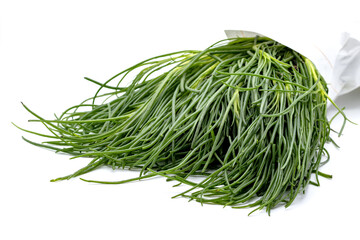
{"x": 248, "y": 115}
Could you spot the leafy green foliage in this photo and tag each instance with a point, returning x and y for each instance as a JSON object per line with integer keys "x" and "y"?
{"x": 248, "y": 115}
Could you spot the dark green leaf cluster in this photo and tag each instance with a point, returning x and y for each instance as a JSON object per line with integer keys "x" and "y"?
{"x": 246, "y": 115}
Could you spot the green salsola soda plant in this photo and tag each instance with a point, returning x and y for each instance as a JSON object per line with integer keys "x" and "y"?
{"x": 247, "y": 115}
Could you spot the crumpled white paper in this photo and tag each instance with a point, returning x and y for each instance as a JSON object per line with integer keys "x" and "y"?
{"x": 337, "y": 57}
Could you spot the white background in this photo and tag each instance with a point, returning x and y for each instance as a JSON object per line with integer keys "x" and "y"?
{"x": 47, "y": 47}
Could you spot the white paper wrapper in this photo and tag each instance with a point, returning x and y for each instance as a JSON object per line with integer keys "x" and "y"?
{"x": 336, "y": 56}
